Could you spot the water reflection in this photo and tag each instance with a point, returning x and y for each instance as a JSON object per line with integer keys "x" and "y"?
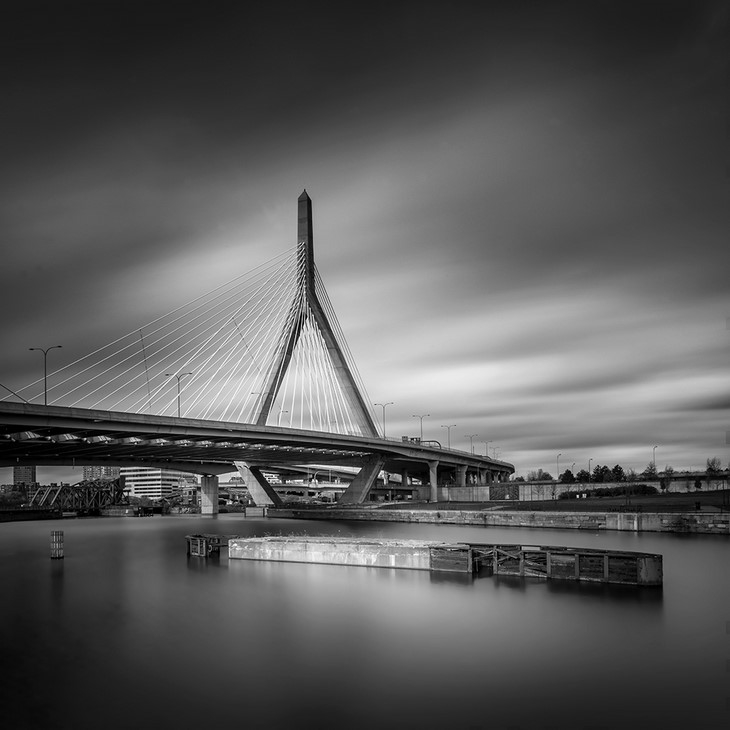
{"x": 647, "y": 595}
{"x": 128, "y": 630}
{"x": 463, "y": 579}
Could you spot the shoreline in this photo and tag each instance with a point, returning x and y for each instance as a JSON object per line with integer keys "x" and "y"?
{"x": 706, "y": 523}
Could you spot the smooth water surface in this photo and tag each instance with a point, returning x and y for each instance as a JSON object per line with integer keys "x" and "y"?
{"x": 129, "y": 632}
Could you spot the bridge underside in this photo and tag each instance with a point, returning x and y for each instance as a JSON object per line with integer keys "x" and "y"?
{"x": 54, "y": 435}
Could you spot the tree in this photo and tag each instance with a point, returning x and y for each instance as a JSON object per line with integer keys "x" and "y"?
{"x": 666, "y": 478}
{"x": 714, "y": 465}
{"x": 650, "y": 471}
{"x": 567, "y": 477}
{"x": 538, "y": 476}
{"x": 583, "y": 476}
{"x": 631, "y": 475}
{"x": 617, "y": 474}
{"x": 601, "y": 474}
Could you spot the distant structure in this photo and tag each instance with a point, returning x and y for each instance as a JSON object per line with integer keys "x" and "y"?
{"x": 24, "y": 475}
{"x": 153, "y": 483}
{"x": 95, "y": 473}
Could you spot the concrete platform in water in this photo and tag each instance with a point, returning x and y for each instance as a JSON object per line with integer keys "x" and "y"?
{"x": 557, "y": 563}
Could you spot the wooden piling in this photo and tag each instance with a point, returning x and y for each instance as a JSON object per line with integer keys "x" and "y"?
{"x": 56, "y": 544}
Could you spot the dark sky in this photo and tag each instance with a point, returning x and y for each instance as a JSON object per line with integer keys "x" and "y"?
{"x": 521, "y": 208}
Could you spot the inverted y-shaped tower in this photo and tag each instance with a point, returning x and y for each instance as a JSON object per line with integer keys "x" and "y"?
{"x": 306, "y": 308}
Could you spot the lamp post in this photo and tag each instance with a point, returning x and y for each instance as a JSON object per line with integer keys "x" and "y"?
{"x": 448, "y": 433}
{"x": 557, "y": 467}
{"x": 278, "y": 417}
{"x": 383, "y": 405}
{"x": 589, "y": 470}
{"x": 45, "y": 352}
{"x": 471, "y": 436}
{"x": 486, "y": 448}
{"x": 181, "y": 375}
{"x": 425, "y": 415}
{"x": 653, "y": 457}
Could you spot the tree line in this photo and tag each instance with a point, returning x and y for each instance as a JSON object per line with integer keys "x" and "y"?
{"x": 603, "y": 473}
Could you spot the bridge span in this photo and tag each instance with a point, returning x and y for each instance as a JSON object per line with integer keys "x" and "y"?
{"x": 57, "y": 435}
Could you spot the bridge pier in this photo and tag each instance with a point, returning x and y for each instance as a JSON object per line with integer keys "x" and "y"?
{"x": 261, "y": 491}
{"x": 360, "y": 486}
{"x": 433, "y": 480}
{"x": 209, "y": 495}
{"x": 461, "y": 476}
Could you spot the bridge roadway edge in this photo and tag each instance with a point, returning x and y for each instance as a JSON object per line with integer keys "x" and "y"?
{"x": 674, "y": 522}
{"x": 64, "y": 437}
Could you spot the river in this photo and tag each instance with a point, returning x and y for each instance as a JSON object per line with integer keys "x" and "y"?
{"x": 129, "y": 632}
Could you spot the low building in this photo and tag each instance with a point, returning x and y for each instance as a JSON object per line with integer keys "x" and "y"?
{"x": 153, "y": 483}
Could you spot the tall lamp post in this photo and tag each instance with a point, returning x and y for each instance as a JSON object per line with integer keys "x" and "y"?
{"x": 486, "y": 448}
{"x": 181, "y": 375}
{"x": 448, "y": 433}
{"x": 278, "y": 417}
{"x": 471, "y": 436}
{"x": 589, "y": 470}
{"x": 653, "y": 457}
{"x": 45, "y": 351}
{"x": 425, "y": 415}
{"x": 557, "y": 467}
{"x": 383, "y": 405}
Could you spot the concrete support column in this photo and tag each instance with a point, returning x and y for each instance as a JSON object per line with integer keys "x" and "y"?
{"x": 360, "y": 486}
{"x": 209, "y": 495}
{"x": 404, "y": 477}
{"x": 433, "y": 480}
{"x": 460, "y": 476}
{"x": 261, "y": 491}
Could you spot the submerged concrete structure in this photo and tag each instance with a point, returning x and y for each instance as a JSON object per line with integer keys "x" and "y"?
{"x": 548, "y": 562}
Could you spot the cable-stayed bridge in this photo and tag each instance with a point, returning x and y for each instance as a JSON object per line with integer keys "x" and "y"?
{"x": 254, "y": 374}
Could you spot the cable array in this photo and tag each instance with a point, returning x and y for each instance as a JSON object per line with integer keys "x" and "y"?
{"x": 209, "y": 358}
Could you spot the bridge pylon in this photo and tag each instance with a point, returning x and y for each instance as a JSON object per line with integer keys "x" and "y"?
{"x": 306, "y": 309}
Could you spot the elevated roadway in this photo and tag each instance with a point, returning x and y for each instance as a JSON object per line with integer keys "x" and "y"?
{"x": 44, "y": 435}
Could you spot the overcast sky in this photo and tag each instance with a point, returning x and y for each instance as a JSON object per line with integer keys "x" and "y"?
{"x": 521, "y": 209}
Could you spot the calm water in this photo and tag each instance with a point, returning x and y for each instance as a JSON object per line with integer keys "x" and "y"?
{"x": 128, "y": 631}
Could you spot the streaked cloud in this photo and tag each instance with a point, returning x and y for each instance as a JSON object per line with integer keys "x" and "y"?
{"x": 520, "y": 211}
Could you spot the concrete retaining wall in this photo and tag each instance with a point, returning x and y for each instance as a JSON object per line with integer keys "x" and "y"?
{"x": 413, "y": 554}
{"x": 691, "y": 522}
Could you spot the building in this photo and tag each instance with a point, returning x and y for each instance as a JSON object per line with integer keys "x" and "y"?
{"x": 93, "y": 473}
{"x": 153, "y": 483}
{"x": 24, "y": 475}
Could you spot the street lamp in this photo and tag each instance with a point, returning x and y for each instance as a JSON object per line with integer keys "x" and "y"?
{"x": 383, "y": 405}
{"x": 425, "y": 415}
{"x": 557, "y": 467}
{"x": 471, "y": 436}
{"x": 653, "y": 457}
{"x": 181, "y": 375}
{"x": 45, "y": 368}
{"x": 589, "y": 469}
{"x": 448, "y": 433}
{"x": 278, "y": 417}
{"x": 486, "y": 448}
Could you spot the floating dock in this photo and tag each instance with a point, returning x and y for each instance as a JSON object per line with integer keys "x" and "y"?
{"x": 551, "y": 563}
{"x": 203, "y": 545}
